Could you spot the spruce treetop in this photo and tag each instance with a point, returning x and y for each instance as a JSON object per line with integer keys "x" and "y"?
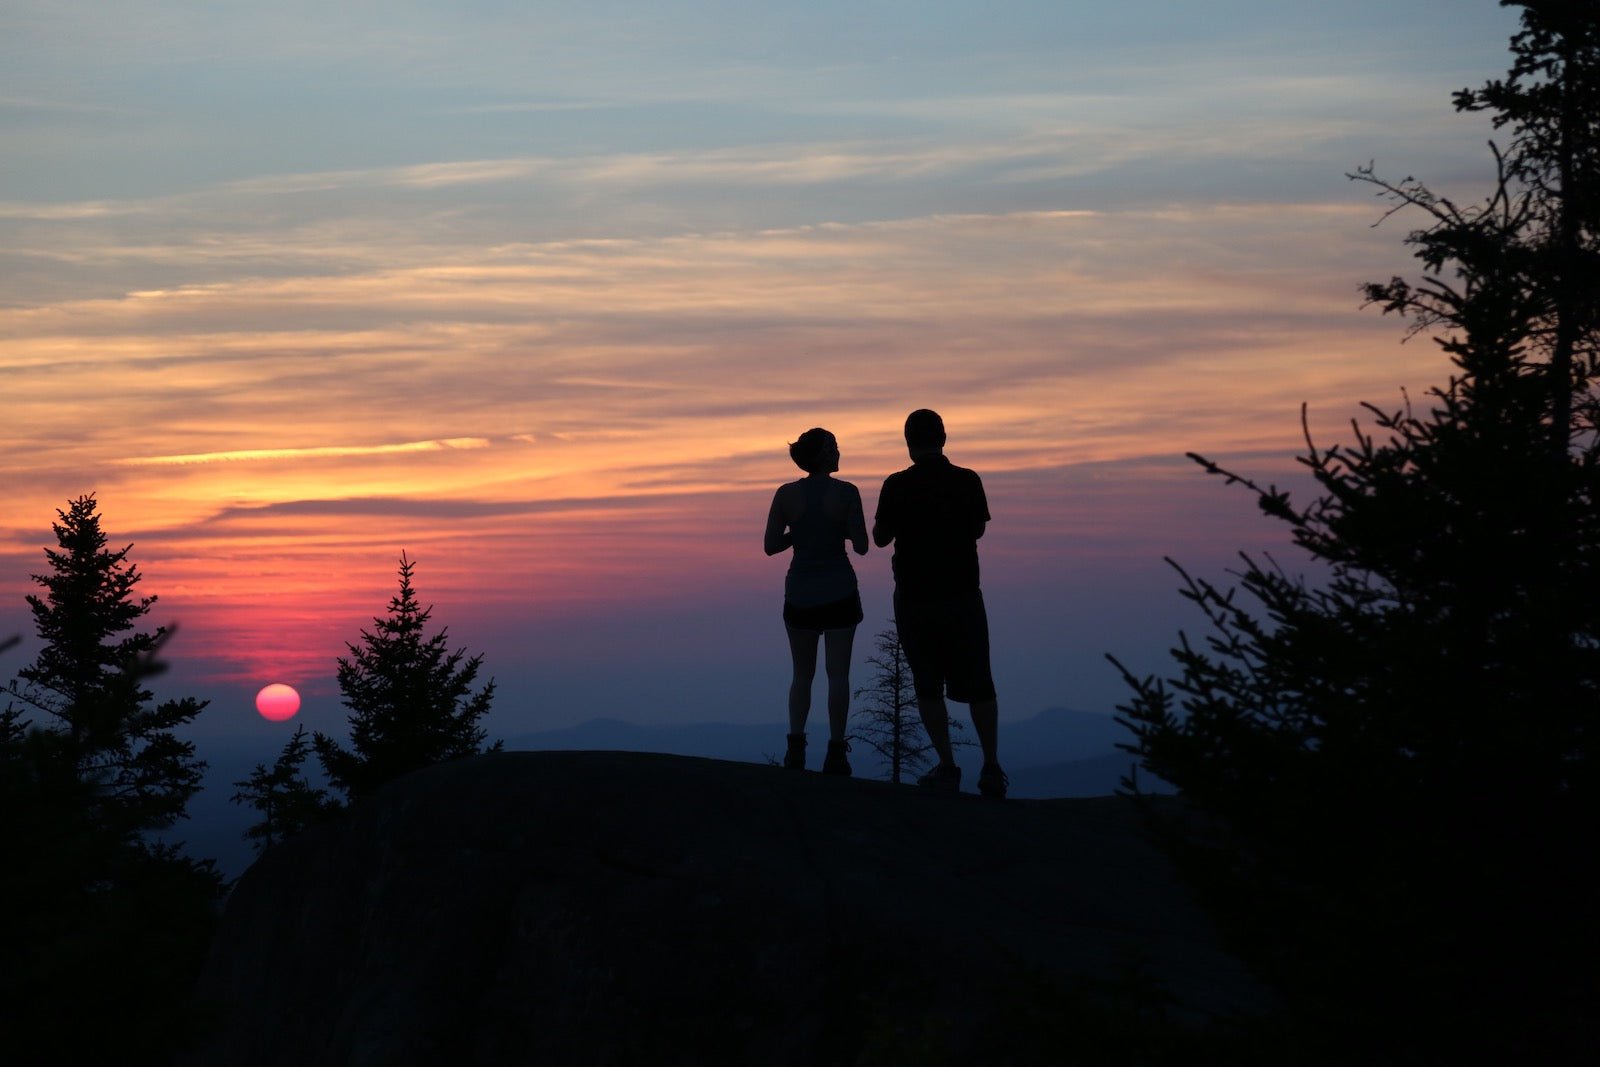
{"x": 411, "y": 698}
{"x": 90, "y": 676}
{"x": 84, "y": 617}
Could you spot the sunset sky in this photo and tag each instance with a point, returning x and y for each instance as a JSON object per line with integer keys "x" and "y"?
{"x": 538, "y": 293}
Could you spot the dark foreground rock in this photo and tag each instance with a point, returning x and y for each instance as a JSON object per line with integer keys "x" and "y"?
{"x": 618, "y": 908}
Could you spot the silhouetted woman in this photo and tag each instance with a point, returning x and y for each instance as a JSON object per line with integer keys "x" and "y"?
{"x": 816, "y": 516}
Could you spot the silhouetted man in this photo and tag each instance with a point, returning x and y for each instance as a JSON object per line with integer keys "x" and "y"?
{"x": 934, "y": 512}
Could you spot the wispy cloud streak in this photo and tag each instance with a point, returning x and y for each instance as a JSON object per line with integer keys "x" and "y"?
{"x": 314, "y": 452}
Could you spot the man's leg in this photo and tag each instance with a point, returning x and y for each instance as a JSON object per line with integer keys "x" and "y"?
{"x": 919, "y": 640}
{"x": 936, "y": 722}
{"x": 946, "y": 775}
{"x": 976, "y": 683}
{"x": 986, "y": 724}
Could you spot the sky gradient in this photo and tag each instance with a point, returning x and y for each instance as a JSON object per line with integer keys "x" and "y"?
{"x": 538, "y": 294}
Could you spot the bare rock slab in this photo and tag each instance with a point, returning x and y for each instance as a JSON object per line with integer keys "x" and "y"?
{"x": 618, "y": 908}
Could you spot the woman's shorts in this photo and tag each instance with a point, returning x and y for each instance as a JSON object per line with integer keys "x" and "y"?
{"x": 839, "y": 615}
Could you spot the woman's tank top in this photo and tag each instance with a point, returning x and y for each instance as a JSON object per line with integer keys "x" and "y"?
{"x": 820, "y": 572}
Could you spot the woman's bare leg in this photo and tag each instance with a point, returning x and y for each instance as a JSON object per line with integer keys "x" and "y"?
{"x": 803, "y": 650}
{"x": 838, "y": 666}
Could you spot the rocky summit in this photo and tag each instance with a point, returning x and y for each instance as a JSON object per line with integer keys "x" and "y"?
{"x": 622, "y": 908}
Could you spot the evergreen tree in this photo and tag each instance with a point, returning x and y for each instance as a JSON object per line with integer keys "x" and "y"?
{"x": 1399, "y": 761}
{"x": 282, "y": 795}
{"x": 105, "y": 927}
{"x": 411, "y": 699}
{"x": 12, "y": 724}
{"x": 888, "y": 722}
{"x": 1549, "y": 100}
{"x": 89, "y": 679}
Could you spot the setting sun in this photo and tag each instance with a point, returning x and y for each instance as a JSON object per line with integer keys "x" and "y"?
{"x": 278, "y": 702}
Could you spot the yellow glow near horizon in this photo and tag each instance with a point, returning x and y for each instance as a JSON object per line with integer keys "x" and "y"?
{"x": 575, "y": 406}
{"x": 316, "y": 452}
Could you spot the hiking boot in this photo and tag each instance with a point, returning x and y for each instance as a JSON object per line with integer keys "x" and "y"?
{"x": 945, "y": 778}
{"x": 794, "y": 758}
{"x": 834, "y": 762}
{"x": 992, "y": 781}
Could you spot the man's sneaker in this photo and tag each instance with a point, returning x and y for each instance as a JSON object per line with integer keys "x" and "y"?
{"x": 794, "y": 757}
{"x": 834, "y": 762}
{"x": 946, "y": 778}
{"x": 992, "y": 781}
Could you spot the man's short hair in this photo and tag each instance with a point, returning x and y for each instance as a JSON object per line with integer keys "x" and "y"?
{"x": 924, "y": 429}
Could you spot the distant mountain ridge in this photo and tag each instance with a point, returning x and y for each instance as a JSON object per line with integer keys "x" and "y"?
{"x": 1060, "y": 752}
{"x": 1054, "y": 736}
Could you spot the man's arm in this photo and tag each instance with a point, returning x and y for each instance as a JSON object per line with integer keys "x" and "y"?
{"x": 883, "y": 525}
{"x": 980, "y": 508}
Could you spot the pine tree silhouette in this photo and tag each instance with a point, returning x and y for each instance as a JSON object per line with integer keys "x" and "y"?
{"x": 887, "y": 720}
{"x": 282, "y": 795}
{"x": 411, "y": 699}
{"x": 88, "y": 679}
{"x": 1401, "y": 759}
{"x": 90, "y": 771}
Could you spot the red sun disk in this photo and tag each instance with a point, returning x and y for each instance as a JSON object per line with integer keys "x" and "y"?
{"x": 277, "y": 702}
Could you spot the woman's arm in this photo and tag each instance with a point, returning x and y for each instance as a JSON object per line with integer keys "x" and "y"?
{"x": 779, "y": 537}
{"x": 856, "y": 523}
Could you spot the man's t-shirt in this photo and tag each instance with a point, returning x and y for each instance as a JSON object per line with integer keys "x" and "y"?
{"x": 935, "y": 511}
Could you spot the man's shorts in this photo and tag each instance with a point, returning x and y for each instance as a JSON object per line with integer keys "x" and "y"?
{"x": 946, "y": 642}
